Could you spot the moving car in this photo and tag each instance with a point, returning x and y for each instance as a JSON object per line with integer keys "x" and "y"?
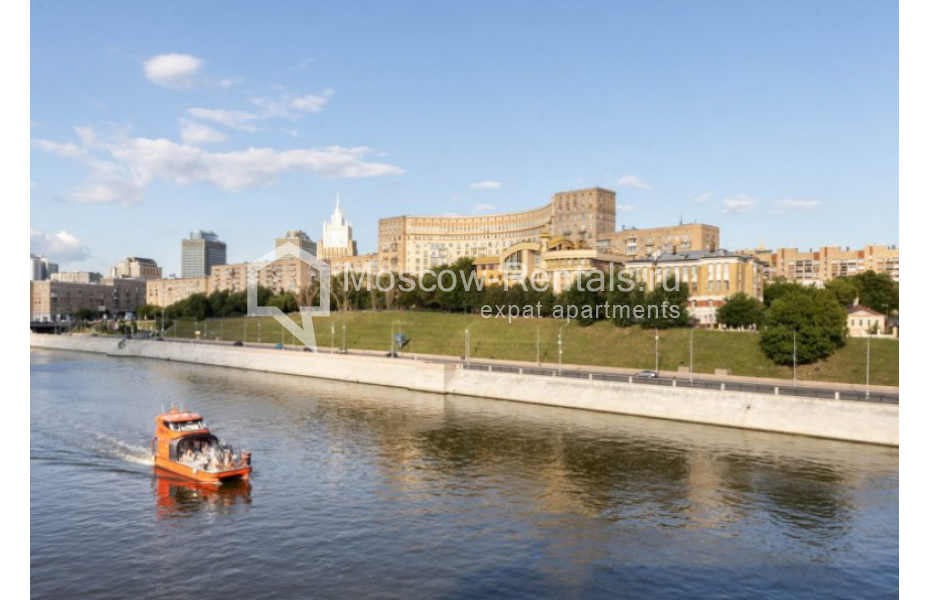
{"x": 647, "y": 374}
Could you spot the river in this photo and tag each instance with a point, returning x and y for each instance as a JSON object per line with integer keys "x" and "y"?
{"x": 367, "y": 492}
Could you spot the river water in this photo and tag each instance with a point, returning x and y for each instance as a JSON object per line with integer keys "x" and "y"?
{"x": 366, "y": 492}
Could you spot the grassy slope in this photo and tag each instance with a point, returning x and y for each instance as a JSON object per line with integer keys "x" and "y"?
{"x": 601, "y": 344}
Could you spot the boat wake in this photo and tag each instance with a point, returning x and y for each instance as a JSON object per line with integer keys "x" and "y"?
{"x": 92, "y": 449}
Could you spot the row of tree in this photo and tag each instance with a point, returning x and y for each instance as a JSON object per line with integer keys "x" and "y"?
{"x": 796, "y": 322}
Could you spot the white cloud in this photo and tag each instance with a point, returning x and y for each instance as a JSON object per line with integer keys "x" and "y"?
{"x": 172, "y": 70}
{"x": 234, "y": 119}
{"x": 632, "y": 181}
{"x": 784, "y": 206}
{"x": 230, "y": 82}
{"x": 625, "y": 208}
{"x": 703, "y": 197}
{"x": 738, "y": 203}
{"x": 483, "y": 208}
{"x": 133, "y": 163}
{"x": 197, "y": 134}
{"x": 486, "y": 185}
{"x": 58, "y": 149}
{"x": 281, "y": 107}
{"x": 312, "y": 102}
{"x": 61, "y": 246}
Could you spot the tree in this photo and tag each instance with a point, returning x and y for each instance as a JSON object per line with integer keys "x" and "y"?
{"x": 740, "y": 311}
{"x": 667, "y": 306}
{"x": 845, "y": 290}
{"x": 87, "y": 314}
{"x": 878, "y": 291}
{"x": 584, "y": 300}
{"x": 815, "y": 316}
{"x": 777, "y": 288}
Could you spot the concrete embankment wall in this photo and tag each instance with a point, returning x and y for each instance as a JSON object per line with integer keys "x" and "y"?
{"x": 833, "y": 419}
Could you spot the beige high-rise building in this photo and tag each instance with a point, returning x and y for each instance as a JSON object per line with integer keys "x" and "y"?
{"x": 165, "y": 292}
{"x": 282, "y": 275}
{"x": 337, "y": 239}
{"x": 639, "y": 243}
{"x": 416, "y": 244}
{"x": 298, "y": 238}
{"x": 134, "y": 267}
{"x": 816, "y": 267}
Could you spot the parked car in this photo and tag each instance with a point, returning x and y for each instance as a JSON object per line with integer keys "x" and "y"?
{"x": 647, "y": 374}
{"x": 238, "y": 343}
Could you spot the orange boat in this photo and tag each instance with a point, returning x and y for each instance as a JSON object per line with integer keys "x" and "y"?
{"x": 184, "y": 446}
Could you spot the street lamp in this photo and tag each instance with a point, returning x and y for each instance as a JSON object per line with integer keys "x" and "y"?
{"x": 868, "y": 360}
{"x": 657, "y": 350}
{"x": 560, "y": 349}
{"x": 345, "y": 350}
{"x": 794, "y": 360}
{"x": 332, "y": 338}
{"x": 467, "y": 346}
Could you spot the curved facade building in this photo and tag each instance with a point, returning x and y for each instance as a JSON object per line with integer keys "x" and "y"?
{"x": 415, "y": 244}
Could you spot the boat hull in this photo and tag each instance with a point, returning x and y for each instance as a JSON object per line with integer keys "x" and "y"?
{"x": 200, "y": 475}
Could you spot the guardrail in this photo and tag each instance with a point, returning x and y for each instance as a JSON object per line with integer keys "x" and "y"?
{"x": 708, "y": 384}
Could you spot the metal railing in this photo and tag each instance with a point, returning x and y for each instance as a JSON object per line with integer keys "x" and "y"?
{"x": 707, "y": 384}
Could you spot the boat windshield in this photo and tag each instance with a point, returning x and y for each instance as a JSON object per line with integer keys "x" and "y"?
{"x": 187, "y": 425}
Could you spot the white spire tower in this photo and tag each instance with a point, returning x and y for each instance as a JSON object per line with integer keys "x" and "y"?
{"x": 337, "y": 235}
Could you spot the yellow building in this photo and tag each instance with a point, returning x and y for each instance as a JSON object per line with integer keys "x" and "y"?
{"x": 164, "y": 292}
{"x": 640, "y": 243}
{"x": 355, "y": 264}
{"x": 816, "y": 267}
{"x": 416, "y": 244}
{"x": 862, "y": 321}
{"x": 283, "y": 275}
{"x": 554, "y": 262}
{"x": 710, "y": 276}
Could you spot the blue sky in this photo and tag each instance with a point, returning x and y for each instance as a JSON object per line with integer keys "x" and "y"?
{"x": 774, "y": 121}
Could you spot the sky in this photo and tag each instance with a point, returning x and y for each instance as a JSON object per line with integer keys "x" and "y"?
{"x": 775, "y": 121}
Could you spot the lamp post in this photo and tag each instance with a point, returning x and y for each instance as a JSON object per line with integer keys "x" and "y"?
{"x": 868, "y": 357}
{"x": 344, "y": 349}
{"x": 259, "y": 332}
{"x": 332, "y": 338}
{"x": 657, "y": 350}
{"x": 794, "y": 360}
{"x": 560, "y": 349}
{"x": 467, "y": 345}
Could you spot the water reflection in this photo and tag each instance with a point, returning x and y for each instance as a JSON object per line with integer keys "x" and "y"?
{"x": 176, "y": 497}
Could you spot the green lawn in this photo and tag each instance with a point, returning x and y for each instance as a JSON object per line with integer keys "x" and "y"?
{"x": 601, "y": 344}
